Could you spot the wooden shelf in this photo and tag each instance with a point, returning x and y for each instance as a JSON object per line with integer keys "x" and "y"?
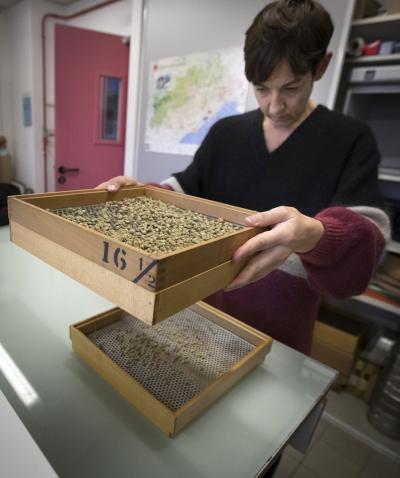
{"x": 394, "y": 58}
{"x": 379, "y": 19}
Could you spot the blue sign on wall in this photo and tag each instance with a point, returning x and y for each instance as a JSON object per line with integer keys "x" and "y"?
{"x": 27, "y": 109}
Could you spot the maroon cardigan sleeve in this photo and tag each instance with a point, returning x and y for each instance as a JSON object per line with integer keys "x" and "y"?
{"x": 342, "y": 263}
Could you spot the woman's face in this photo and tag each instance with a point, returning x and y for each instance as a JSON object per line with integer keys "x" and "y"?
{"x": 283, "y": 97}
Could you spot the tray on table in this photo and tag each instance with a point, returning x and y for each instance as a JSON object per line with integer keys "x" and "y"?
{"x": 175, "y": 370}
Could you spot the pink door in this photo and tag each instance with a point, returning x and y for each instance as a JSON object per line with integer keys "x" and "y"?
{"x": 91, "y": 71}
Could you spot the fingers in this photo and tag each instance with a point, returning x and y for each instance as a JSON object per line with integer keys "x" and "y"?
{"x": 260, "y": 242}
{"x": 102, "y": 185}
{"x": 114, "y": 184}
{"x": 259, "y": 266}
{"x": 274, "y": 217}
{"x": 271, "y": 217}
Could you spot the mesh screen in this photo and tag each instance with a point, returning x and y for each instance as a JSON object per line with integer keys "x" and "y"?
{"x": 175, "y": 359}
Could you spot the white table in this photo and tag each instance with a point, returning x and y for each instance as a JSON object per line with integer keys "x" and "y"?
{"x": 19, "y": 454}
{"x": 86, "y": 429}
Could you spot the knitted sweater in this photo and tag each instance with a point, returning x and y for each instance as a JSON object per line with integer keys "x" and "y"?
{"x": 327, "y": 169}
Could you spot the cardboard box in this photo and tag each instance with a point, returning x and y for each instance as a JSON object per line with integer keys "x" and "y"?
{"x": 336, "y": 340}
{"x": 334, "y": 347}
{"x": 6, "y": 170}
{"x": 393, "y": 6}
{"x": 362, "y": 380}
{"x": 366, "y": 8}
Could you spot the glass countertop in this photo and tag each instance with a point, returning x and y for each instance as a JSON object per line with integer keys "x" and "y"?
{"x": 87, "y": 429}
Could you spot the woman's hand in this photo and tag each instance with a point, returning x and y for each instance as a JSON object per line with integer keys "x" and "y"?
{"x": 114, "y": 184}
{"x": 290, "y": 232}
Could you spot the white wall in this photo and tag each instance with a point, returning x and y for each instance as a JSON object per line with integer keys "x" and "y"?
{"x": 39, "y": 9}
{"x": 325, "y": 90}
{"x": 21, "y": 73}
{"x": 5, "y": 80}
{"x": 115, "y": 18}
{"x": 135, "y": 87}
{"x": 19, "y": 65}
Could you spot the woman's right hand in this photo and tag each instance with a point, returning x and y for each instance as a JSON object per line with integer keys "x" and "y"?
{"x": 117, "y": 182}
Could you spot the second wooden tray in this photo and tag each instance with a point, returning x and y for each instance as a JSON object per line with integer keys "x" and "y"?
{"x": 168, "y": 383}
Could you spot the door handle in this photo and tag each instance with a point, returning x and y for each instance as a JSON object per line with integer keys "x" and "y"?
{"x": 63, "y": 170}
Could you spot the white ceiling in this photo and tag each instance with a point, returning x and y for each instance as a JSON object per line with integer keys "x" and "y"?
{"x": 9, "y": 3}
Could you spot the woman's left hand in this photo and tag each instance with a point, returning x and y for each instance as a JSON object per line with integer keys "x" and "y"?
{"x": 290, "y": 232}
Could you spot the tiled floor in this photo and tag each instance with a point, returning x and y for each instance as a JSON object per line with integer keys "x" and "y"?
{"x": 344, "y": 445}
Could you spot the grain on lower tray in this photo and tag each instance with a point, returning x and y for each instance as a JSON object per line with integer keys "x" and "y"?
{"x": 149, "y": 224}
{"x": 174, "y": 359}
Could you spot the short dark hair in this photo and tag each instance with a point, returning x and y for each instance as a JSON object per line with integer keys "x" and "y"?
{"x": 296, "y": 30}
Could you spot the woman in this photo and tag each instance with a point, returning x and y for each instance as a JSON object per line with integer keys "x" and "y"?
{"x": 312, "y": 171}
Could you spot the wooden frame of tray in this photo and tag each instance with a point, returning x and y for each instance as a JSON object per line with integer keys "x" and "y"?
{"x": 148, "y": 286}
{"x": 168, "y": 421}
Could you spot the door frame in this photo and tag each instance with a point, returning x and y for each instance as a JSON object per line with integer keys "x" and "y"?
{"x": 44, "y": 97}
{"x": 135, "y": 86}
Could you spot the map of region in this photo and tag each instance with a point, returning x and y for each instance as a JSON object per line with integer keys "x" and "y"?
{"x": 188, "y": 94}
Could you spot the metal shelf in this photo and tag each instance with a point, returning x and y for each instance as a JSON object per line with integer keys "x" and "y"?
{"x": 377, "y": 303}
{"x": 376, "y": 59}
{"x": 370, "y": 310}
{"x": 385, "y": 27}
{"x": 389, "y": 177}
{"x": 379, "y": 19}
